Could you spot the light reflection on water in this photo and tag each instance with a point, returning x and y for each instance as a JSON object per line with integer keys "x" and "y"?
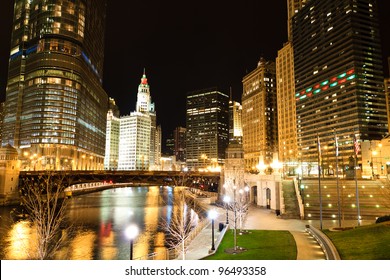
{"x": 97, "y": 223}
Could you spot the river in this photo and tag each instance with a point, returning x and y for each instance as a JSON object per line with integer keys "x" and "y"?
{"x": 96, "y": 224}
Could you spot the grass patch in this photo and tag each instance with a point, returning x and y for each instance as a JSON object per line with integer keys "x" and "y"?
{"x": 370, "y": 242}
{"x": 260, "y": 245}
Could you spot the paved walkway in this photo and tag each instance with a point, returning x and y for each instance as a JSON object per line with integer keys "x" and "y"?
{"x": 259, "y": 218}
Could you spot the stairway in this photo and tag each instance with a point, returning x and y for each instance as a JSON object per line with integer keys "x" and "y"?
{"x": 290, "y": 201}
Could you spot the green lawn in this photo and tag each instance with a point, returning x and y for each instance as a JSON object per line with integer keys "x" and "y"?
{"x": 260, "y": 245}
{"x": 363, "y": 243}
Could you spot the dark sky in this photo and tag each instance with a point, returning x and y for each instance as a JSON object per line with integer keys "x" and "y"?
{"x": 184, "y": 46}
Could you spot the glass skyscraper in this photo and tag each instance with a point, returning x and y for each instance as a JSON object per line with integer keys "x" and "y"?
{"x": 338, "y": 78}
{"x": 207, "y": 123}
{"x": 55, "y": 109}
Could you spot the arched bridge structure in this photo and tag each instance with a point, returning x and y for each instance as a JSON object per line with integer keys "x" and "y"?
{"x": 204, "y": 180}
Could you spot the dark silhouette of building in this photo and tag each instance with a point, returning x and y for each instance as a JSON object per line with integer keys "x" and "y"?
{"x": 180, "y": 143}
{"x": 207, "y": 123}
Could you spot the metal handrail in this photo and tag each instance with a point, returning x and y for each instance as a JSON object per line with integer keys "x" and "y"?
{"x": 326, "y": 244}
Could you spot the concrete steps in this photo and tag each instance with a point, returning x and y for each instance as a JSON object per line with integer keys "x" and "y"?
{"x": 374, "y": 198}
{"x": 290, "y": 201}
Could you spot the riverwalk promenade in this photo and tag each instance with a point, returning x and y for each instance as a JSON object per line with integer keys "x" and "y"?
{"x": 259, "y": 219}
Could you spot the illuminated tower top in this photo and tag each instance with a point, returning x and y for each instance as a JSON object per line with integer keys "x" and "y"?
{"x": 144, "y": 101}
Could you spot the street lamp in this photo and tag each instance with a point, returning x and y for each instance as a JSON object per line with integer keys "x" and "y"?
{"x": 226, "y": 199}
{"x": 131, "y": 233}
{"x": 212, "y": 216}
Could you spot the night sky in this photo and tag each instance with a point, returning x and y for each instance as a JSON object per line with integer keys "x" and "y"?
{"x": 184, "y": 46}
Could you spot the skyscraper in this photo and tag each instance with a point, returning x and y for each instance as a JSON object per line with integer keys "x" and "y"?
{"x": 259, "y": 115}
{"x": 287, "y": 121}
{"x": 55, "y": 108}
{"x": 338, "y": 77}
{"x": 139, "y": 137}
{"x": 179, "y": 136}
{"x": 293, "y": 7}
{"x": 112, "y": 137}
{"x": 235, "y": 122}
{"x": 287, "y": 125}
{"x": 207, "y": 123}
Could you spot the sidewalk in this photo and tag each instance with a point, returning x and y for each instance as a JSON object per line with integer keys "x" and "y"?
{"x": 262, "y": 219}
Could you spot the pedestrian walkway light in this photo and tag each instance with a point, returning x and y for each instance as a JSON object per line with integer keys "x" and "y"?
{"x": 212, "y": 216}
{"x": 226, "y": 199}
{"x": 131, "y": 233}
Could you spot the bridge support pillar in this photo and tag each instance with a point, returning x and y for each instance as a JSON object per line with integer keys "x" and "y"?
{"x": 9, "y": 175}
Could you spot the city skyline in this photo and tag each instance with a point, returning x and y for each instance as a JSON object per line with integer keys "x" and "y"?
{"x": 183, "y": 49}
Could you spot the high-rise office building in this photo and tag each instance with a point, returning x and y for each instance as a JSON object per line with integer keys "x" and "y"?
{"x": 169, "y": 145}
{"x": 338, "y": 78}
{"x": 293, "y": 7}
{"x": 259, "y": 115}
{"x": 287, "y": 126}
{"x": 287, "y": 122}
{"x": 235, "y": 122}
{"x": 207, "y": 123}
{"x": 139, "y": 137}
{"x": 55, "y": 108}
{"x": 157, "y": 146}
{"x": 112, "y": 137}
{"x": 179, "y": 136}
{"x": 134, "y": 142}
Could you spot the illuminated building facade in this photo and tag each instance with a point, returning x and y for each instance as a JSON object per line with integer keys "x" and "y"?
{"x": 139, "y": 137}
{"x": 112, "y": 137}
{"x": 259, "y": 115}
{"x": 287, "y": 126}
{"x": 338, "y": 78}
{"x": 287, "y": 122}
{"x": 207, "y": 123}
{"x": 235, "y": 122}
{"x": 55, "y": 108}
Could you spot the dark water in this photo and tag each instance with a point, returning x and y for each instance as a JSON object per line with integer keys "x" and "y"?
{"x": 96, "y": 224}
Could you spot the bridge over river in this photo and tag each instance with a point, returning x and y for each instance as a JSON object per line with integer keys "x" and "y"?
{"x": 204, "y": 180}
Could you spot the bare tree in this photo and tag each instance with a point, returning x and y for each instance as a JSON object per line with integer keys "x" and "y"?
{"x": 184, "y": 219}
{"x": 242, "y": 205}
{"x": 239, "y": 208}
{"x": 43, "y": 199}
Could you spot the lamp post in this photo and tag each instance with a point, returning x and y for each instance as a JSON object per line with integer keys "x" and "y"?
{"x": 226, "y": 199}
{"x": 212, "y": 216}
{"x": 131, "y": 233}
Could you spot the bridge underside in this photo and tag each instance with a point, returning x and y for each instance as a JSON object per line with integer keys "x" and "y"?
{"x": 208, "y": 181}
